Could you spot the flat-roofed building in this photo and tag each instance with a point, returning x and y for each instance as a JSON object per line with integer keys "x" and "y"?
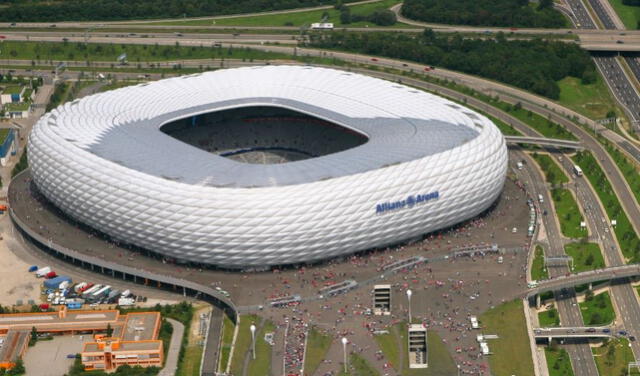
{"x": 382, "y": 299}
{"x": 417, "y": 346}
{"x": 135, "y": 342}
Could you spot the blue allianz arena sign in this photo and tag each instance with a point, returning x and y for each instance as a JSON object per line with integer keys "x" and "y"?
{"x": 406, "y": 203}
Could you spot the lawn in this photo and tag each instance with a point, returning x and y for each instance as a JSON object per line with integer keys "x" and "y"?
{"x": 317, "y": 346}
{"x": 506, "y": 129}
{"x": 243, "y": 343}
{"x": 549, "y": 318}
{"x": 228, "y": 328}
{"x": 511, "y": 352}
{"x": 541, "y": 124}
{"x": 586, "y": 256}
{"x": 190, "y": 365}
{"x": 568, "y": 213}
{"x": 388, "y": 344}
{"x": 613, "y": 357}
{"x": 629, "y": 15}
{"x": 552, "y": 172}
{"x": 18, "y": 106}
{"x": 558, "y": 362}
{"x": 294, "y": 18}
{"x": 261, "y": 365}
{"x": 538, "y": 271}
{"x": 598, "y": 310}
{"x": 358, "y": 366}
{"x": 629, "y": 170}
{"x": 45, "y": 51}
{"x": 4, "y": 133}
{"x": 626, "y": 235}
{"x": 593, "y": 100}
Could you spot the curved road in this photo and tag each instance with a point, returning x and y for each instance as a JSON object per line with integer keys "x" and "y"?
{"x": 171, "y": 362}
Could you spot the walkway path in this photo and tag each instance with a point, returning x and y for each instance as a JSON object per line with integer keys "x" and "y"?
{"x": 171, "y": 363}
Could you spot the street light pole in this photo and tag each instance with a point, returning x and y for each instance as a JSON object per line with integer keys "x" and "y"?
{"x": 253, "y": 340}
{"x": 344, "y": 349}
{"x": 409, "y": 293}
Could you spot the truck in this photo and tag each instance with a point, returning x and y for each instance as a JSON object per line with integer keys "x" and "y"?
{"x": 42, "y": 271}
{"x": 55, "y": 282}
{"x": 113, "y": 296}
{"x": 577, "y": 170}
{"x": 90, "y": 291}
{"x": 100, "y": 293}
{"x": 85, "y": 287}
{"x": 125, "y": 293}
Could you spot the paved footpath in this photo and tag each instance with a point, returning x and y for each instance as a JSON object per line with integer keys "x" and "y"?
{"x": 171, "y": 363}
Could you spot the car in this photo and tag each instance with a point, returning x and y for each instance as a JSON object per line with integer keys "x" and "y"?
{"x": 405, "y": 64}
{"x": 632, "y": 338}
{"x": 619, "y": 41}
{"x": 71, "y": 356}
{"x": 622, "y": 333}
{"x": 13, "y": 24}
{"x": 93, "y": 305}
{"x": 374, "y": 59}
{"x": 591, "y": 330}
{"x": 606, "y": 330}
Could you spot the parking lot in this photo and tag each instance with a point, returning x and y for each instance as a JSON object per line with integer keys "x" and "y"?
{"x": 49, "y": 358}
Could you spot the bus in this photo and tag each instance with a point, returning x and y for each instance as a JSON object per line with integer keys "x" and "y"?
{"x": 577, "y": 170}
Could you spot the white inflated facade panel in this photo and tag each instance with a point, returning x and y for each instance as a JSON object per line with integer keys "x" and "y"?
{"x": 238, "y": 226}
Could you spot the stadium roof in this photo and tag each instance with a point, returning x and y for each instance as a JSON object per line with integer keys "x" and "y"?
{"x": 401, "y": 123}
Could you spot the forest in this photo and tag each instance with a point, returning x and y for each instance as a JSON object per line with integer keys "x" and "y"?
{"x": 83, "y": 10}
{"x": 533, "y": 65}
{"x": 507, "y": 13}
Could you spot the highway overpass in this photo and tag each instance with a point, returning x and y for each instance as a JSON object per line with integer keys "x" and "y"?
{"x": 573, "y": 332}
{"x": 543, "y": 141}
{"x": 571, "y": 280}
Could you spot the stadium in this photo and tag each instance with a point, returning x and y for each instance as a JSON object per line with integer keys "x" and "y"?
{"x": 263, "y": 166}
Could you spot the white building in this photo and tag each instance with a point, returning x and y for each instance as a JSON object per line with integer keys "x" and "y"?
{"x": 259, "y": 166}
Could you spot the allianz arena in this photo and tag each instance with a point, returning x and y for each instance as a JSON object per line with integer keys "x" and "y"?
{"x": 271, "y": 165}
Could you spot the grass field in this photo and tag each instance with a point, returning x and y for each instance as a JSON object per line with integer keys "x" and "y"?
{"x": 225, "y": 347}
{"x": 549, "y": 318}
{"x": 294, "y": 18}
{"x": 317, "y": 346}
{"x": 136, "y": 53}
{"x": 626, "y": 235}
{"x": 511, "y": 352}
{"x": 598, "y": 311}
{"x": 628, "y": 15}
{"x": 388, "y": 344}
{"x": 243, "y": 343}
{"x": 538, "y": 271}
{"x": 586, "y": 256}
{"x": 593, "y": 100}
{"x": 568, "y": 213}
{"x": 358, "y": 366}
{"x": 612, "y": 358}
{"x": 261, "y": 365}
{"x": 558, "y": 362}
{"x": 552, "y": 172}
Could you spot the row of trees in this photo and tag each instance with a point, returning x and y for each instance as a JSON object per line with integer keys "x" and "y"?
{"x": 533, "y": 65}
{"x": 517, "y": 13}
{"x": 382, "y": 17}
{"x": 79, "y": 10}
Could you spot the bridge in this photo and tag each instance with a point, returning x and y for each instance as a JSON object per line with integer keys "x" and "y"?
{"x": 571, "y": 280}
{"x": 573, "y": 332}
{"x": 543, "y": 141}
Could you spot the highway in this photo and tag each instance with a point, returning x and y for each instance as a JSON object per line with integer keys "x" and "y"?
{"x": 566, "y": 302}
